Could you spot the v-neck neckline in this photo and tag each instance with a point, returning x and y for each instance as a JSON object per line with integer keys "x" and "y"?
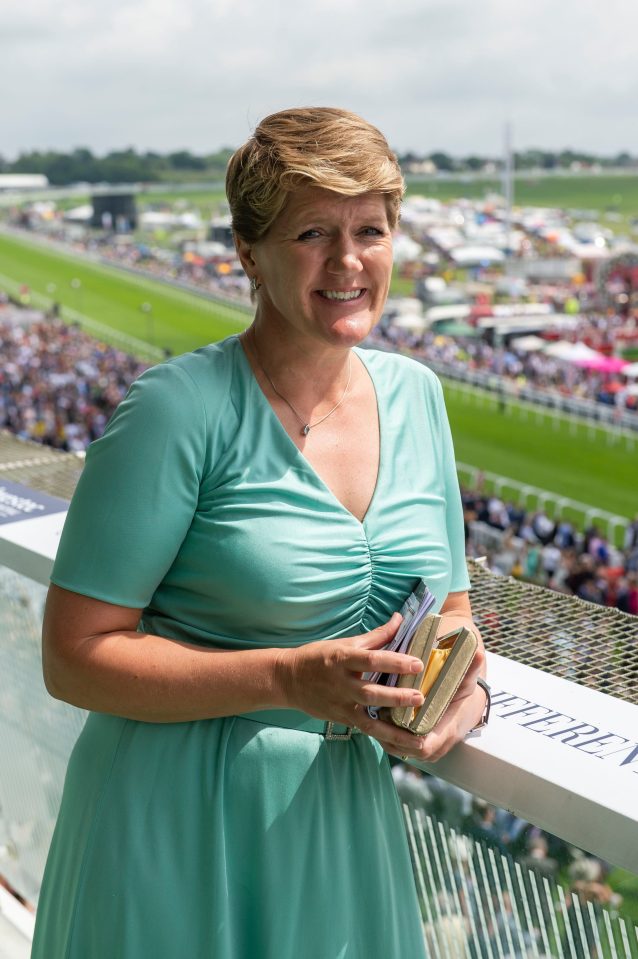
{"x": 299, "y": 453}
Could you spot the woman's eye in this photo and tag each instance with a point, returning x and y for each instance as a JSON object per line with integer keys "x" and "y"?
{"x": 308, "y": 234}
{"x": 372, "y": 231}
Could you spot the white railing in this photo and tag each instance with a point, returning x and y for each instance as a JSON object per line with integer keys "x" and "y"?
{"x": 535, "y": 498}
{"x": 620, "y": 424}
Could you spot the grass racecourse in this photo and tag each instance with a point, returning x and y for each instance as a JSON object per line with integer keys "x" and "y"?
{"x": 560, "y": 455}
{"x": 177, "y": 320}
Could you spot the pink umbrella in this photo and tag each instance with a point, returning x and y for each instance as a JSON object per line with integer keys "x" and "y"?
{"x": 603, "y": 364}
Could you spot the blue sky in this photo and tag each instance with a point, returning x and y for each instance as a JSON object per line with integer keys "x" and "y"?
{"x": 432, "y": 74}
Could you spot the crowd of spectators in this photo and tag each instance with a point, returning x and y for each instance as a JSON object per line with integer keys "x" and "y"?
{"x": 554, "y": 553}
{"x": 516, "y": 368}
{"x": 58, "y": 385}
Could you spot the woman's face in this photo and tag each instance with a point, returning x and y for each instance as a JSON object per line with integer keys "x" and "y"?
{"x": 324, "y": 266}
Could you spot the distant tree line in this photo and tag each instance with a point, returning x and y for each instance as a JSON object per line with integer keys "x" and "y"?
{"x": 129, "y": 166}
{"x": 119, "y": 166}
{"x": 532, "y": 159}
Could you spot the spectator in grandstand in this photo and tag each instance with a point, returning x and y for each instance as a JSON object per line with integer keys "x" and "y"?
{"x": 58, "y": 386}
{"x": 227, "y": 573}
{"x": 537, "y": 857}
{"x": 631, "y": 534}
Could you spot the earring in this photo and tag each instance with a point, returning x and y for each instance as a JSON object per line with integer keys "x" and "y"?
{"x": 254, "y": 284}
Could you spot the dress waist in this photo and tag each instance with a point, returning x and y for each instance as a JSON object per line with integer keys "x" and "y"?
{"x": 295, "y": 719}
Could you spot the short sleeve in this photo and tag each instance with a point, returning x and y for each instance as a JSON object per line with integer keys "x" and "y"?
{"x": 460, "y": 580}
{"x": 137, "y": 493}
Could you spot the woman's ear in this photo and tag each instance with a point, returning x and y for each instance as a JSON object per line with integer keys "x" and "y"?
{"x": 245, "y": 254}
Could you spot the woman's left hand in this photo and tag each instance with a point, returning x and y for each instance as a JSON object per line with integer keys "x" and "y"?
{"x": 462, "y": 715}
{"x": 460, "y": 718}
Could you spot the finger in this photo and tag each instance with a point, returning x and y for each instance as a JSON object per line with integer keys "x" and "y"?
{"x": 402, "y": 752}
{"x": 372, "y": 694}
{"x": 393, "y": 738}
{"x": 380, "y": 636}
{"x": 380, "y": 661}
{"x": 468, "y": 685}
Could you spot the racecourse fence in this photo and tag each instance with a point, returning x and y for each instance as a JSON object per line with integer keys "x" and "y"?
{"x": 535, "y": 499}
{"x": 620, "y": 424}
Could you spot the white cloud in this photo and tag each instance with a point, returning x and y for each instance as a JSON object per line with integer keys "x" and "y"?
{"x": 431, "y": 73}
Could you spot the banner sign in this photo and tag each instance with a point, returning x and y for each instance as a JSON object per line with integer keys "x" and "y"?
{"x": 559, "y": 755}
{"x": 30, "y": 527}
{"x": 19, "y": 502}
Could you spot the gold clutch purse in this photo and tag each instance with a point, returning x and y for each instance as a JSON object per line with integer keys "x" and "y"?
{"x": 446, "y": 660}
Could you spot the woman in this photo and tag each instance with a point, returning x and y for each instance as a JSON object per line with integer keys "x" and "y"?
{"x": 230, "y": 567}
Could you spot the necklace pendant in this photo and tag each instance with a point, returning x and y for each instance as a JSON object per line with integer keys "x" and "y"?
{"x": 305, "y": 430}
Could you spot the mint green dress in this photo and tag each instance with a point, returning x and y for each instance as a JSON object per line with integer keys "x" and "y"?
{"x": 233, "y": 838}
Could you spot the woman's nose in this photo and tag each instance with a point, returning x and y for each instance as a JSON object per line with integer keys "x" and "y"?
{"x": 344, "y": 257}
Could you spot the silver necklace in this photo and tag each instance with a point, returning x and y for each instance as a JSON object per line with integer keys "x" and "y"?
{"x": 305, "y": 426}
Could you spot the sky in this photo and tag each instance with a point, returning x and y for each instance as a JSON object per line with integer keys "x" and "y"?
{"x": 432, "y": 74}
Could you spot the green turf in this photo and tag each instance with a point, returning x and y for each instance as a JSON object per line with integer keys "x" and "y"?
{"x": 400, "y": 286}
{"x": 573, "y": 192}
{"x": 208, "y": 202}
{"x": 587, "y": 192}
{"x": 177, "y": 321}
{"x": 602, "y": 193}
{"x": 626, "y": 883}
{"x": 565, "y": 460}
{"x": 559, "y": 455}
{"x": 599, "y": 194}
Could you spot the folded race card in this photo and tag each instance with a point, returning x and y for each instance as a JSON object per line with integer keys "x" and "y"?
{"x": 414, "y": 610}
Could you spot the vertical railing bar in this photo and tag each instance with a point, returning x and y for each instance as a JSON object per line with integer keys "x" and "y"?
{"x": 465, "y": 888}
{"x": 445, "y": 842}
{"x": 484, "y": 928}
{"x": 490, "y": 904}
{"x": 524, "y": 898}
{"x": 416, "y": 856}
{"x": 635, "y": 931}
{"x": 501, "y": 899}
{"x": 552, "y": 912}
{"x": 507, "y": 868}
{"x": 622, "y": 922}
{"x": 444, "y": 896}
{"x": 428, "y": 891}
{"x": 568, "y": 925}
{"x": 610, "y": 932}
{"x": 533, "y": 879}
{"x": 593, "y": 920}
{"x": 436, "y": 924}
{"x": 579, "y": 922}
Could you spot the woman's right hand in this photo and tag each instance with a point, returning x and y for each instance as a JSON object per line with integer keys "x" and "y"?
{"x": 324, "y": 678}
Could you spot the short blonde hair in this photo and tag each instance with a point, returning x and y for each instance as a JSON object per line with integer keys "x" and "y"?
{"x": 308, "y": 146}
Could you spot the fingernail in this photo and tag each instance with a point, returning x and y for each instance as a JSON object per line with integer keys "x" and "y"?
{"x": 417, "y": 699}
{"x": 416, "y": 666}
